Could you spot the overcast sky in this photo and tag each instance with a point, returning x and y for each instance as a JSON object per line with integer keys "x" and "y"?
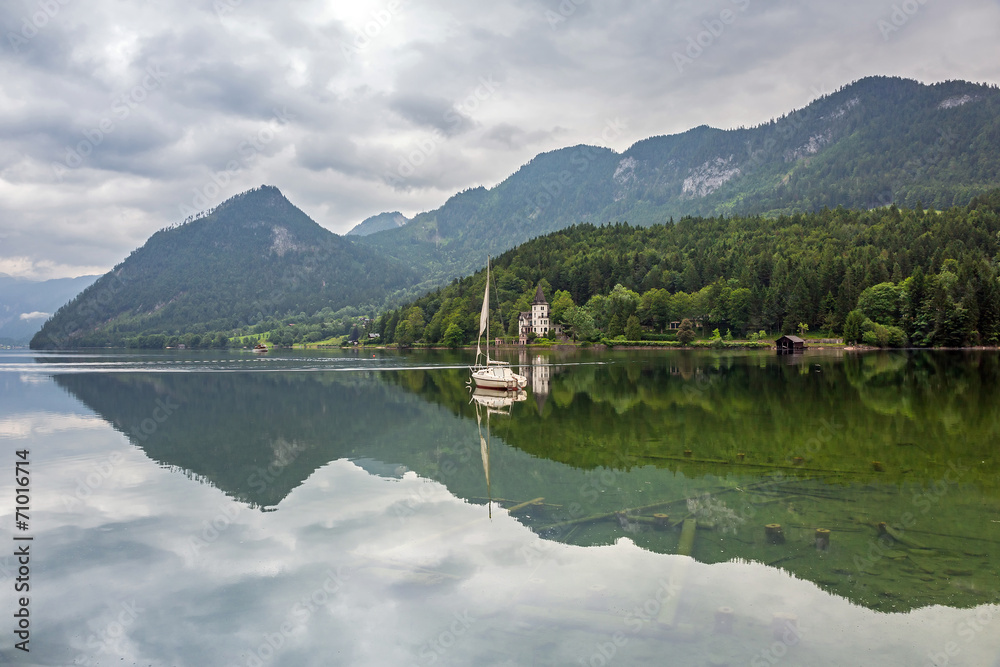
{"x": 118, "y": 118}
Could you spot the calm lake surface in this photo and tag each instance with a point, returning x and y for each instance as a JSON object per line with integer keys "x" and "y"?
{"x": 340, "y": 508}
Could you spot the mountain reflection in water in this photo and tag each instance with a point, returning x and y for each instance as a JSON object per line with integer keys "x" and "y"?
{"x": 893, "y": 454}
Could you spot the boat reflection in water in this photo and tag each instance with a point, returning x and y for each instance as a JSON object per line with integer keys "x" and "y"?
{"x": 492, "y": 402}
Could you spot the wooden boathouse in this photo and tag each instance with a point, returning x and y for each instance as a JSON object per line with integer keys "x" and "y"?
{"x": 790, "y": 344}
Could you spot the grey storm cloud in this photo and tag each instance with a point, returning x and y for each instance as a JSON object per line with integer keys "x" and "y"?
{"x": 433, "y": 112}
{"x": 116, "y": 119}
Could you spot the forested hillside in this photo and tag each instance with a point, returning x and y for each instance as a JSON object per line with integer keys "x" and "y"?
{"x": 930, "y": 276}
{"x": 253, "y": 258}
{"x": 872, "y": 143}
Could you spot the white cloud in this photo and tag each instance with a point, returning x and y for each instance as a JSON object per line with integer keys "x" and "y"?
{"x": 337, "y": 575}
{"x": 116, "y": 114}
{"x": 45, "y": 269}
{"x": 31, "y": 425}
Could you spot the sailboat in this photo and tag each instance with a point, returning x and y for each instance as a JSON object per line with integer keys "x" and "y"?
{"x": 490, "y": 373}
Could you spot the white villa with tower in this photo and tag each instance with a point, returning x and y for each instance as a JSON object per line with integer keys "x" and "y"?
{"x": 536, "y": 320}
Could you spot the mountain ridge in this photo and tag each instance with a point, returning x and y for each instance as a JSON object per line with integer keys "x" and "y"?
{"x": 254, "y": 256}
{"x": 876, "y": 141}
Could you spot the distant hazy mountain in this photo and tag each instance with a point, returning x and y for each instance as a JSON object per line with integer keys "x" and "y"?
{"x": 254, "y": 256}
{"x": 379, "y": 223}
{"x": 26, "y": 304}
{"x": 877, "y": 141}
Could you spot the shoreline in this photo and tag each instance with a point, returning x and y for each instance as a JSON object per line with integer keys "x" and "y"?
{"x": 646, "y": 345}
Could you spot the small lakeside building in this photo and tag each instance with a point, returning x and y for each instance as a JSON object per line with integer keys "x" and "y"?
{"x": 790, "y": 343}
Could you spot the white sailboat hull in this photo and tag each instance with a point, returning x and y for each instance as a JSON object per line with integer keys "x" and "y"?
{"x": 498, "y": 377}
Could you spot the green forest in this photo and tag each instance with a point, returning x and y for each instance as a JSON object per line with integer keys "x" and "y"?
{"x": 886, "y": 277}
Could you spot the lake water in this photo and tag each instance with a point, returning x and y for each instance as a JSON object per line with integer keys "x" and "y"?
{"x": 628, "y": 508}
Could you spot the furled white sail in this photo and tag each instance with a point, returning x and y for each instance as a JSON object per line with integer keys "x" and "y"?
{"x": 484, "y": 317}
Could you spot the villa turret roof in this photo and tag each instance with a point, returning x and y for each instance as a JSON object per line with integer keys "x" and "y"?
{"x": 539, "y": 297}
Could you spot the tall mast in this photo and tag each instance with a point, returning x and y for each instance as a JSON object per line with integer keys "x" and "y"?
{"x": 484, "y": 318}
